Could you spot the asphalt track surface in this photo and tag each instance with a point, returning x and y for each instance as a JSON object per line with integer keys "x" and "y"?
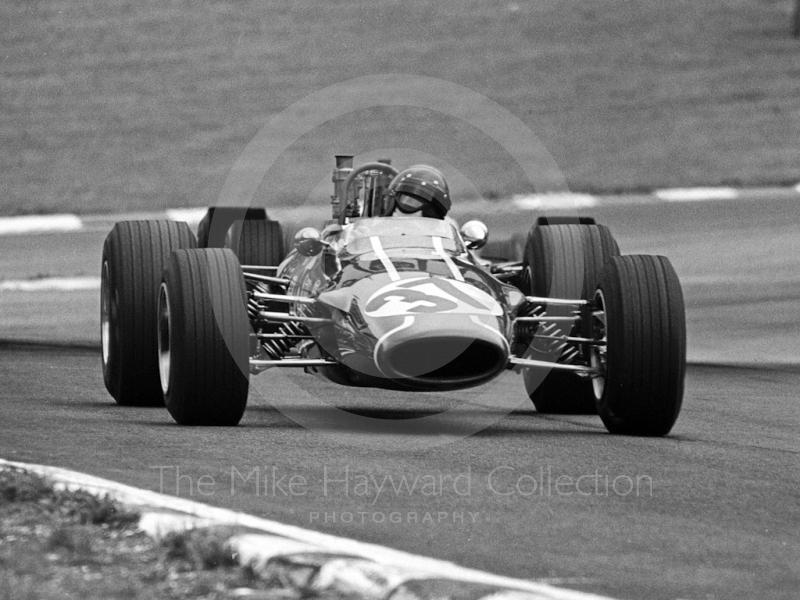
{"x": 712, "y": 511}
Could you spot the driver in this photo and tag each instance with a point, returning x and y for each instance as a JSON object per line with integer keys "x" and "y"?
{"x": 419, "y": 191}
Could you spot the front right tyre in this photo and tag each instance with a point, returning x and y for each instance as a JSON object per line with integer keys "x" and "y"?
{"x": 134, "y": 255}
{"x": 204, "y": 337}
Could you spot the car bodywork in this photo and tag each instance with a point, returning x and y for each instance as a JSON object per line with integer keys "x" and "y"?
{"x": 401, "y": 303}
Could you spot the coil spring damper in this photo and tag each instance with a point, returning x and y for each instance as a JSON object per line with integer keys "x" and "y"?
{"x": 276, "y": 348}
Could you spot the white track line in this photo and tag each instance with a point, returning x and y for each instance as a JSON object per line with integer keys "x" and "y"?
{"x": 697, "y": 194}
{"x": 565, "y": 200}
{"x": 39, "y": 223}
{"x": 381, "y": 554}
{"x": 64, "y": 284}
{"x": 193, "y": 216}
{"x": 305, "y": 213}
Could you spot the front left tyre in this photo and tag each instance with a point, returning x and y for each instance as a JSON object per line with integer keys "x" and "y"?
{"x": 204, "y": 337}
{"x": 134, "y": 255}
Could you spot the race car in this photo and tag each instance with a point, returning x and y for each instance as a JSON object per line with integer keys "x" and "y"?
{"x": 407, "y": 304}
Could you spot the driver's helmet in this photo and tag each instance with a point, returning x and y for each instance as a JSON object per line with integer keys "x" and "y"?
{"x": 419, "y": 191}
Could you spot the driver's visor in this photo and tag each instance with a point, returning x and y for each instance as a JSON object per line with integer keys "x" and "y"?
{"x": 408, "y": 204}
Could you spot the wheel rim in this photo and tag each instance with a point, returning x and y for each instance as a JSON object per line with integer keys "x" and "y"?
{"x": 164, "y": 345}
{"x": 598, "y": 356}
{"x": 106, "y": 314}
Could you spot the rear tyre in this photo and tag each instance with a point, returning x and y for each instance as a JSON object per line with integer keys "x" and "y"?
{"x": 641, "y": 315}
{"x": 258, "y": 243}
{"x": 134, "y": 255}
{"x": 563, "y": 261}
{"x": 213, "y": 228}
{"x": 510, "y": 250}
{"x": 203, "y": 338}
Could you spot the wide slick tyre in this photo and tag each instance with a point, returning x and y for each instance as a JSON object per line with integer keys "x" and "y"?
{"x": 258, "y": 243}
{"x": 213, "y": 227}
{"x": 134, "y": 255}
{"x": 563, "y": 261}
{"x": 203, "y": 338}
{"x": 512, "y": 249}
{"x": 640, "y": 313}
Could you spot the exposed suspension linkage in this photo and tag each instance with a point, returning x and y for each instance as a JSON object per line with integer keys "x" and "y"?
{"x": 277, "y": 345}
{"x": 548, "y": 340}
{"x": 281, "y": 338}
{"x": 506, "y": 271}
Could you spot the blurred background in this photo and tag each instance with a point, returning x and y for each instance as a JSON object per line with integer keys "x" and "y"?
{"x": 123, "y": 105}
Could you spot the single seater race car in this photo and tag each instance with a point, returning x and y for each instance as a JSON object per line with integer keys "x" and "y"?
{"x": 388, "y": 302}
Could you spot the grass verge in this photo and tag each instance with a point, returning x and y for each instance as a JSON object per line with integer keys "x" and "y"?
{"x": 57, "y": 544}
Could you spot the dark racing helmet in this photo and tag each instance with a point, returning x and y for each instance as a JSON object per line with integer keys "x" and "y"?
{"x": 419, "y": 189}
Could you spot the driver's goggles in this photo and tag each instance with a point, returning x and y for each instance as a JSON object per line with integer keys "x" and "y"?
{"x": 408, "y": 204}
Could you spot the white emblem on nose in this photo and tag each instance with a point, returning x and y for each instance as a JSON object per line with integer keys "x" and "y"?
{"x": 426, "y": 295}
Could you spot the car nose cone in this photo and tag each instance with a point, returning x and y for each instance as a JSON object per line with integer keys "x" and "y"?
{"x": 442, "y": 351}
{"x": 422, "y": 331}
{"x": 434, "y": 332}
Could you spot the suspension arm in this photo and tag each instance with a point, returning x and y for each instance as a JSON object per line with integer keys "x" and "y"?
{"x": 279, "y": 316}
{"x": 555, "y": 301}
{"x": 293, "y": 362}
{"x": 283, "y": 336}
{"x": 258, "y": 268}
{"x": 568, "y": 338}
{"x": 526, "y": 362}
{"x": 546, "y": 319}
{"x": 267, "y": 279}
{"x": 283, "y": 298}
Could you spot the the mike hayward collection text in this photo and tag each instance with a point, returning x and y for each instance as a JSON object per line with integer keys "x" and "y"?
{"x": 371, "y": 488}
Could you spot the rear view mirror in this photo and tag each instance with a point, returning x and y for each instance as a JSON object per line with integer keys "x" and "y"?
{"x": 308, "y": 242}
{"x": 475, "y": 234}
